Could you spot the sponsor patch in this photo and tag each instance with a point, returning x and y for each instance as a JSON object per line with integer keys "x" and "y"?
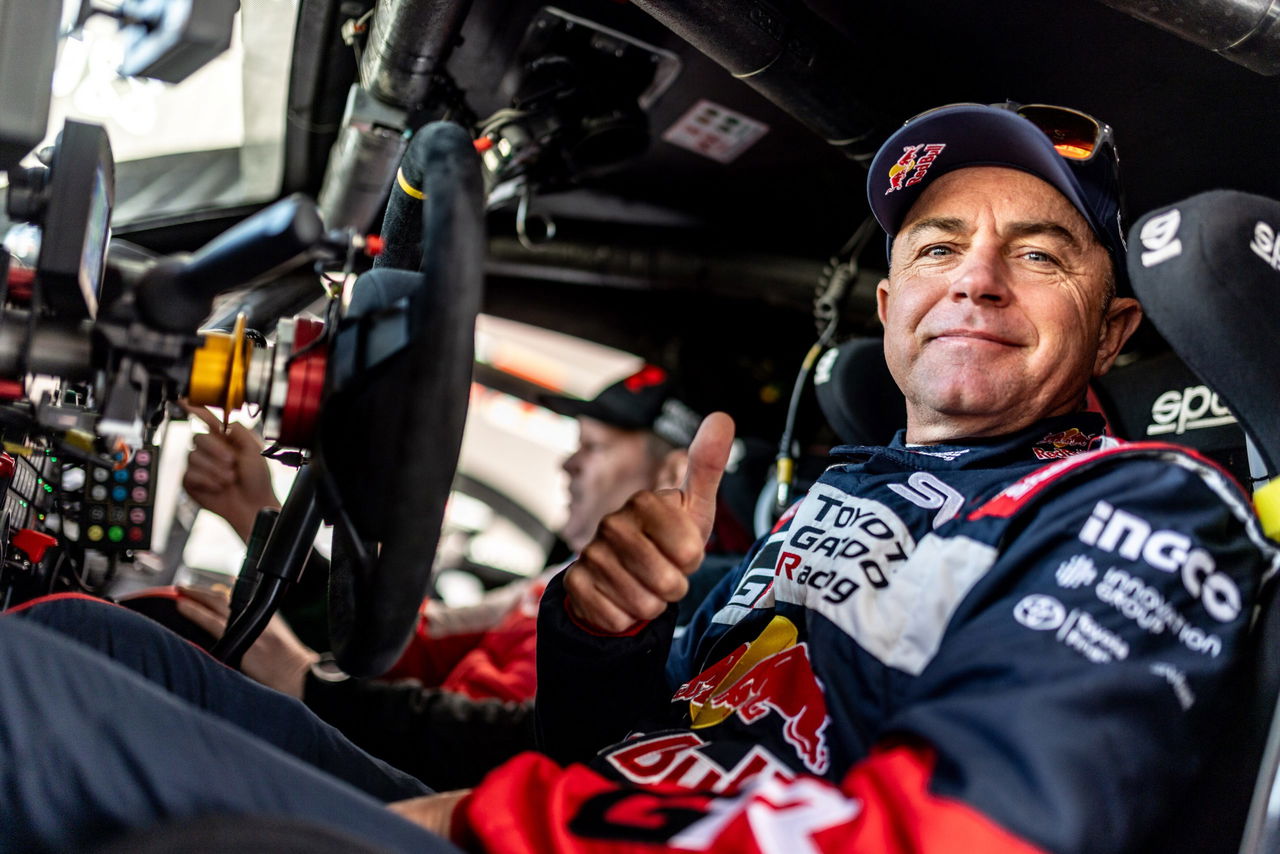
{"x": 1144, "y": 605}
{"x": 1110, "y": 529}
{"x": 928, "y": 491}
{"x": 755, "y": 589}
{"x": 1057, "y": 446}
{"x": 840, "y": 559}
{"x": 1076, "y": 572}
{"x": 676, "y": 759}
{"x": 1076, "y": 629}
{"x": 769, "y": 676}
{"x": 913, "y": 165}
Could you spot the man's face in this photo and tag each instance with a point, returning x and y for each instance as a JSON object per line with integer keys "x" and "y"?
{"x": 610, "y": 465}
{"x": 993, "y": 309}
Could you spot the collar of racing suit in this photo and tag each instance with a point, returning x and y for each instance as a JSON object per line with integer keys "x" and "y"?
{"x": 1047, "y": 440}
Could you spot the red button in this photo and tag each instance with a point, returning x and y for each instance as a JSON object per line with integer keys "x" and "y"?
{"x": 32, "y": 543}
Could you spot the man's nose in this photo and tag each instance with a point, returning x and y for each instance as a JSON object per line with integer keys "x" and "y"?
{"x": 982, "y": 277}
{"x": 570, "y": 464}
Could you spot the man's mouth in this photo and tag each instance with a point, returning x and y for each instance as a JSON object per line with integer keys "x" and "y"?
{"x": 972, "y": 336}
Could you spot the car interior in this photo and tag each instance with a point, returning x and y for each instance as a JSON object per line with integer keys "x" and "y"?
{"x": 300, "y": 209}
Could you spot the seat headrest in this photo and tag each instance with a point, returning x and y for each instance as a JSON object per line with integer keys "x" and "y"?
{"x": 857, "y": 393}
{"x": 1161, "y": 399}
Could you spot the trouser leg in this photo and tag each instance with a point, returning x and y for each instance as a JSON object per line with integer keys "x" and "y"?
{"x": 89, "y": 748}
{"x": 189, "y": 673}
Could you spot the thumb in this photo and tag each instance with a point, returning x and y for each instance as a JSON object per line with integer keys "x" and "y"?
{"x": 708, "y": 455}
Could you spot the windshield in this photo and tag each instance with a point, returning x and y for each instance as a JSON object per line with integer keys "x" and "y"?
{"x": 215, "y": 140}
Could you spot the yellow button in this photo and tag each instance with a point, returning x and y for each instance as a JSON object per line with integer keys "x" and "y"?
{"x": 95, "y": 532}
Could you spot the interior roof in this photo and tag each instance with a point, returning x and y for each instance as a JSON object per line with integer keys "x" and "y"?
{"x": 1186, "y": 120}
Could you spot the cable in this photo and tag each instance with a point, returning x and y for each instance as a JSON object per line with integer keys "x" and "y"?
{"x": 833, "y": 288}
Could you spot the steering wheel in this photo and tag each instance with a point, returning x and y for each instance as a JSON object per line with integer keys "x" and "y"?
{"x": 398, "y": 382}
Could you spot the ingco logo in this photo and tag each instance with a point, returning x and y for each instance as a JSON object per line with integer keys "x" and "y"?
{"x": 1192, "y": 408}
{"x": 1131, "y": 537}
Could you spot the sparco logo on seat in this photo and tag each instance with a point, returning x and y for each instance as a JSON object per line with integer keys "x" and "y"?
{"x": 1192, "y": 408}
{"x": 1131, "y": 537}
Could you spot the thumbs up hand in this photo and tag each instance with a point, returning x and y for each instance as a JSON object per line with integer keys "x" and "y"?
{"x": 641, "y": 555}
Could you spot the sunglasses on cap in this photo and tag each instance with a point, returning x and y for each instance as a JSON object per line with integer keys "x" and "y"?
{"x": 1075, "y": 135}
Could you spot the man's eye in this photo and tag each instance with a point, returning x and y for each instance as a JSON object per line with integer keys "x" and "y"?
{"x": 936, "y": 251}
{"x": 1039, "y": 256}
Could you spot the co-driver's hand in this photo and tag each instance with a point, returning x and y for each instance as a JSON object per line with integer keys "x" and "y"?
{"x": 277, "y": 658}
{"x": 641, "y": 555}
{"x": 227, "y": 474}
{"x": 434, "y": 812}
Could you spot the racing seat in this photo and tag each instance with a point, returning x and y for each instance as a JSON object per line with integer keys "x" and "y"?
{"x": 860, "y": 403}
{"x": 857, "y": 394}
{"x": 1207, "y": 285}
{"x": 1161, "y": 399}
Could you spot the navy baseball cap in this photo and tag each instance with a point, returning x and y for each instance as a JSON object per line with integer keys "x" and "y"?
{"x": 644, "y": 400}
{"x": 962, "y": 135}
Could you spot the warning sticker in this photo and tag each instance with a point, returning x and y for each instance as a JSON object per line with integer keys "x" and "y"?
{"x": 715, "y": 131}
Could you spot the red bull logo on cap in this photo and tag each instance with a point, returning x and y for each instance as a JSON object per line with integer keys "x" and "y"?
{"x": 913, "y": 165}
{"x": 770, "y": 675}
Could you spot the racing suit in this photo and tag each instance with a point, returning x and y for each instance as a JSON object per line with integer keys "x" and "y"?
{"x": 456, "y": 703}
{"x": 1017, "y": 644}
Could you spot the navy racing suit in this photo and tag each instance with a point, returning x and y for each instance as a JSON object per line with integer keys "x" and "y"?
{"x": 1016, "y": 644}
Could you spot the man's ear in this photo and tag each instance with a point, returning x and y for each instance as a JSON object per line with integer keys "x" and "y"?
{"x": 1123, "y": 317}
{"x": 672, "y": 469}
{"x": 882, "y": 299}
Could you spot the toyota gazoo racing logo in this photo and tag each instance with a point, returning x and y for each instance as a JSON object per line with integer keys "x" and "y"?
{"x": 913, "y": 165}
{"x": 1110, "y": 530}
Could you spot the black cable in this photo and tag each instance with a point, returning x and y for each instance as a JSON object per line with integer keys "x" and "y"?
{"x": 834, "y": 288}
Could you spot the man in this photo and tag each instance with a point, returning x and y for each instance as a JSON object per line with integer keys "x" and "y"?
{"x": 472, "y": 668}
{"x": 947, "y": 644}
{"x": 942, "y": 647}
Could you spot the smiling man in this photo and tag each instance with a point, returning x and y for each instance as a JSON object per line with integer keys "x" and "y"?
{"x": 1002, "y": 632}
{"x": 952, "y": 643}
{"x": 999, "y": 307}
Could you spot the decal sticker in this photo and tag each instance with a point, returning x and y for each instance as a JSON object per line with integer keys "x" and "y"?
{"x": 715, "y": 131}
